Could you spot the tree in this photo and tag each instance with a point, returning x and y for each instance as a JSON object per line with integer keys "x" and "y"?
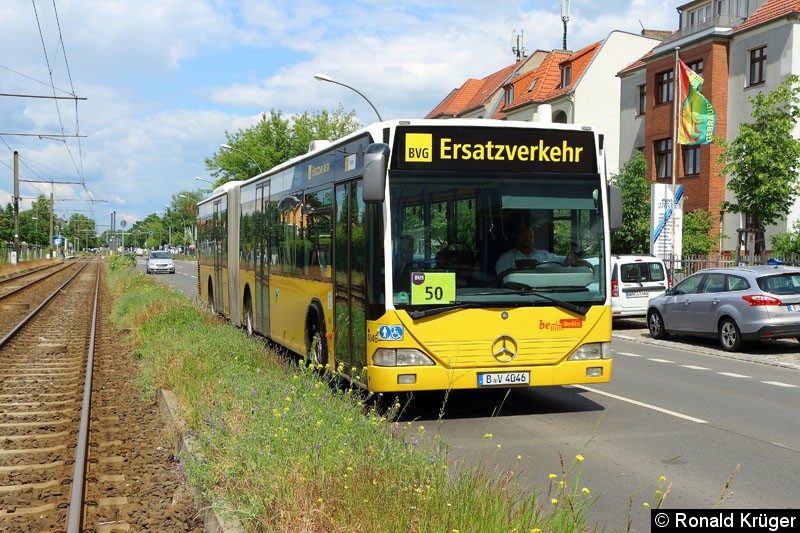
{"x": 787, "y": 243}
{"x": 274, "y": 140}
{"x": 697, "y": 239}
{"x": 763, "y": 160}
{"x": 634, "y": 235}
{"x": 81, "y": 232}
{"x": 7, "y": 223}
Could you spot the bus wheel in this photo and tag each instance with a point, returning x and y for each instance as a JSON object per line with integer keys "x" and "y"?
{"x": 248, "y": 316}
{"x": 317, "y": 347}
{"x": 212, "y": 308}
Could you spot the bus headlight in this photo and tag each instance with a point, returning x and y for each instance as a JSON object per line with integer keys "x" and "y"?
{"x": 597, "y": 350}
{"x": 400, "y": 357}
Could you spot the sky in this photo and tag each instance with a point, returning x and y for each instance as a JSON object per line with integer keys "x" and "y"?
{"x": 153, "y": 85}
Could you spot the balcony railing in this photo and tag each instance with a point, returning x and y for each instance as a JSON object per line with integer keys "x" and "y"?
{"x": 713, "y": 22}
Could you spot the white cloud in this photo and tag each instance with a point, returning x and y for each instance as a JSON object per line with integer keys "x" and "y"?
{"x": 165, "y": 80}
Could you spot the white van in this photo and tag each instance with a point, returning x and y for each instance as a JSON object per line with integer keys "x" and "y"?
{"x": 634, "y": 280}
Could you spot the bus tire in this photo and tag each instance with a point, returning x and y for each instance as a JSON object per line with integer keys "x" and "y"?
{"x": 248, "y": 314}
{"x": 316, "y": 341}
{"x": 212, "y": 307}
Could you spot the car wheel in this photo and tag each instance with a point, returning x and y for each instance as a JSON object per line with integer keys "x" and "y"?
{"x": 656, "y": 325}
{"x": 729, "y": 335}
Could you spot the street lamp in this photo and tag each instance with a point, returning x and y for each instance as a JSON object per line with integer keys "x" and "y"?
{"x": 198, "y": 178}
{"x": 232, "y": 149}
{"x": 323, "y": 77}
{"x": 169, "y": 225}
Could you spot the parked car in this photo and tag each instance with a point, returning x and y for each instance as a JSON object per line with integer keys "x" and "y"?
{"x": 635, "y": 279}
{"x": 735, "y": 305}
{"x": 160, "y": 261}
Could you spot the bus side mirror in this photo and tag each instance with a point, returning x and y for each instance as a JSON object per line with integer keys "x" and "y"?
{"x": 376, "y": 162}
{"x": 614, "y": 207}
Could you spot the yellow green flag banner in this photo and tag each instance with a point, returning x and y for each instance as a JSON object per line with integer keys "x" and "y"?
{"x": 697, "y": 118}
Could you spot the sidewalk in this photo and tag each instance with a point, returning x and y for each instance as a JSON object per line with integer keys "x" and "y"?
{"x": 783, "y": 353}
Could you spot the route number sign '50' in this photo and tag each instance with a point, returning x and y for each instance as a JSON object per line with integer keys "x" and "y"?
{"x": 432, "y": 288}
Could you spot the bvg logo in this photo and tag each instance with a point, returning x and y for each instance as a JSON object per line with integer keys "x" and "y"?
{"x": 419, "y": 147}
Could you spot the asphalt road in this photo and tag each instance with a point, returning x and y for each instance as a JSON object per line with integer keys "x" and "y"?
{"x": 681, "y": 408}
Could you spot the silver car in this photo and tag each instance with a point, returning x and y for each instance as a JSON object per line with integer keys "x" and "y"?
{"x": 735, "y": 305}
{"x": 160, "y": 261}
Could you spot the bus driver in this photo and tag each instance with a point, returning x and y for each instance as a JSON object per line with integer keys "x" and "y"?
{"x": 523, "y": 251}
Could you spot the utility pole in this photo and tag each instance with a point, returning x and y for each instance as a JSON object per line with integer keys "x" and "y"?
{"x": 16, "y": 207}
{"x": 50, "y": 242}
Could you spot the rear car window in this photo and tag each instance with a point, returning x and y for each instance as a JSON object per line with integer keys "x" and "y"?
{"x": 640, "y": 272}
{"x": 781, "y": 283}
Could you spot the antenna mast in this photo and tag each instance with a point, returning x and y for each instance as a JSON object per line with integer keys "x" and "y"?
{"x": 565, "y": 18}
{"x": 518, "y": 44}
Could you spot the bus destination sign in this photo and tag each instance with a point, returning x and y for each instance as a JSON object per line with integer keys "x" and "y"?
{"x": 500, "y": 149}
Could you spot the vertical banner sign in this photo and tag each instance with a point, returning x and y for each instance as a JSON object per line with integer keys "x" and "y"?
{"x": 662, "y": 210}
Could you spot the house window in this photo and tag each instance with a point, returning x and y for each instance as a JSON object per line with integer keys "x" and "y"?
{"x": 696, "y": 66}
{"x": 509, "y": 95}
{"x": 664, "y": 158}
{"x": 566, "y": 75}
{"x": 665, "y": 86}
{"x": 691, "y": 159}
{"x": 642, "y": 100}
{"x": 720, "y": 7}
{"x": 758, "y": 64}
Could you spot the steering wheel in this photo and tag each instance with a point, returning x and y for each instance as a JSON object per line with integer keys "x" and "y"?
{"x": 541, "y": 263}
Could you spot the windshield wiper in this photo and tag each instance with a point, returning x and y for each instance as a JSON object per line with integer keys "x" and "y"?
{"x": 524, "y": 290}
{"x": 438, "y": 310}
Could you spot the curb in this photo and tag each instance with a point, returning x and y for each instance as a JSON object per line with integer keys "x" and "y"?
{"x": 214, "y": 523}
{"x": 767, "y": 359}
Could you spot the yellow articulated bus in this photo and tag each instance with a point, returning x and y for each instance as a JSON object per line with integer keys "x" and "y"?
{"x": 425, "y": 255}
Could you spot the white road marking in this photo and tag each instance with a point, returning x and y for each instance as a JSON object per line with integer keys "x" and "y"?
{"x": 780, "y": 384}
{"x": 645, "y": 405}
{"x": 694, "y": 367}
{"x": 734, "y": 375}
{"x": 656, "y": 360}
{"x": 629, "y": 354}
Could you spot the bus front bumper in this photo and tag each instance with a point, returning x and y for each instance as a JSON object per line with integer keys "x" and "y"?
{"x": 416, "y": 378}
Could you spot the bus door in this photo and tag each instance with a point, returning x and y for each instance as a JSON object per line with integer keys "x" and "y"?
{"x": 220, "y": 234}
{"x": 350, "y": 263}
{"x": 262, "y": 261}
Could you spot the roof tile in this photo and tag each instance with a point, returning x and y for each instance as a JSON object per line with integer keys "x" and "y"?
{"x": 771, "y": 10}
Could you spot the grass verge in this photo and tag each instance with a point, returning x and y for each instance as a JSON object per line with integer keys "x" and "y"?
{"x": 282, "y": 450}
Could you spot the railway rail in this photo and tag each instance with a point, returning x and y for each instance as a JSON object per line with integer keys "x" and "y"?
{"x": 79, "y": 454}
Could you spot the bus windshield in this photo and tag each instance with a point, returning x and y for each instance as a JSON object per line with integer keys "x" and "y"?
{"x": 495, "y": 240}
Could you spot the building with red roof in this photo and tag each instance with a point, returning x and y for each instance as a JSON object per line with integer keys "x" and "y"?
{"x": 573, "y": 87}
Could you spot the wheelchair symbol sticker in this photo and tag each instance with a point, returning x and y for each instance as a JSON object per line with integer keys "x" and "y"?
{"x": 391, "y": 333}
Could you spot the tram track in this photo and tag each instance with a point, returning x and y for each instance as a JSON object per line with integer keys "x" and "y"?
{"x": 76, "y": 453}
